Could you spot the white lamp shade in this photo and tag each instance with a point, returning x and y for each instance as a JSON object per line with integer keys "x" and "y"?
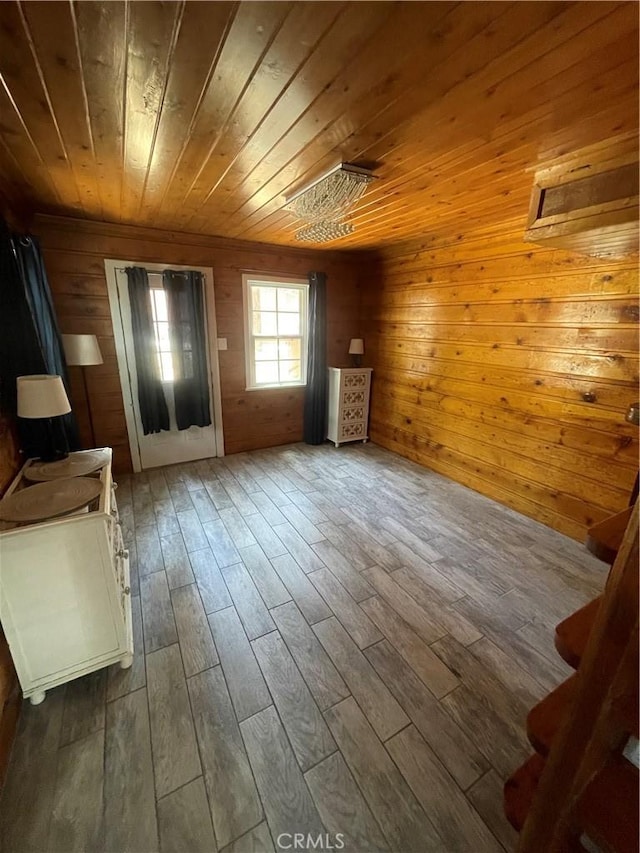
{"x": 81, "y": 349}
{"x": 356, "y": 346}
{"x": 41, "y": 396}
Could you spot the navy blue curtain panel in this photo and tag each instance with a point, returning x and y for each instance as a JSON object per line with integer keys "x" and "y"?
{"x": 30, "y": 339}
{"x": 153, "y": 405}
{"x": 186, "y": 313}
{"x": 315, "y": 397}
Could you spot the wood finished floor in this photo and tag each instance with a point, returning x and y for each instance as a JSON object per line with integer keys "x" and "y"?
{"x": 327, "y": 641}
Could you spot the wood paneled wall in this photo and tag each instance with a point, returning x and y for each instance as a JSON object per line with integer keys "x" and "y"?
{"x": 509, "y": 368}
{"x": 74, "y": 253}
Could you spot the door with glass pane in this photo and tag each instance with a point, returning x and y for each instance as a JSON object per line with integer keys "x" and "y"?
{"x": 169, "y": 446}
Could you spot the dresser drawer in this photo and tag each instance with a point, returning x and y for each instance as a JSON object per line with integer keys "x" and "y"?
{"x": 355, "y": 380}
{"x": 114, "y": 507}
{"x": 354, "y": 398}
{"x": 350, "y": 414}
{"x": 124, "y": 578}
{"x": 120, "y": 555}
{"x": 115, "y": 534}
{"x": 352, "y": 430}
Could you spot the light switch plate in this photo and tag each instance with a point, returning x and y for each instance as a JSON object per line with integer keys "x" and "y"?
{"x": 222, "y": 343}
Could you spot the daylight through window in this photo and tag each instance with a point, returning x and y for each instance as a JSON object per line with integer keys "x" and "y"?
{"x": 276, "y": 332}
{"x": 161, "y": 331}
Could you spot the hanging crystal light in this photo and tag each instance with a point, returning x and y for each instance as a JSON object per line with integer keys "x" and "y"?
{"x": 324, "y": 231}
{"x": 325, "y": 202}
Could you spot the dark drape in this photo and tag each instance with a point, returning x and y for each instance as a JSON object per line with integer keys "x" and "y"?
{"x": 153, "y": 406}
{"x": 30, "y": 340}
{"x": 185, "y": 309}
{"x": 315, "y": 397}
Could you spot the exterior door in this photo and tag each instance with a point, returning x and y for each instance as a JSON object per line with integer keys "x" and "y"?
{"x": 169, "y": 446}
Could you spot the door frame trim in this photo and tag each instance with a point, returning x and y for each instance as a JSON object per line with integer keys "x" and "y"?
{"x": 111, "y": 266}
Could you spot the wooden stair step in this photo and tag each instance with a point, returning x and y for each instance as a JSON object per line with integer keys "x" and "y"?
{"x": 604, "y": 539}
{"x": 573, "y": 632}
{"x": 519, "y": 790}
{"x": 608, "y": 808}
{"x": 545, "y": 718}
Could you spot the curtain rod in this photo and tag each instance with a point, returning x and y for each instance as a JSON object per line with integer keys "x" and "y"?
{"x": 158, "y": 272}
{"x": 149, "y": 272}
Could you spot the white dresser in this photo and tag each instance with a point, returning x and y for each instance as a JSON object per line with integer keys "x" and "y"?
{"x": 348, "y": 404}
{"x": 65, "y": 602}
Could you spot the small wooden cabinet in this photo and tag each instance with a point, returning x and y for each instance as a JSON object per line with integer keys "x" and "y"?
{"x": 65, "y": 603}
{"x": 348, "y": 404}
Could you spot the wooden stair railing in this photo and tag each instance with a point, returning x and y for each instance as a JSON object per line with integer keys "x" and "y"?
{"x": 608, "y": 809}
{"x": 578, "y": 783}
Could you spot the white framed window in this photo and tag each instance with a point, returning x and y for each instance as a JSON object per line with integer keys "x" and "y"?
{"x": 160, "y": 320}
{"x": 276, "y": 324}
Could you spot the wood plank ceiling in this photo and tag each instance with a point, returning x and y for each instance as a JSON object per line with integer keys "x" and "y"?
{"x": 203, "y": 116}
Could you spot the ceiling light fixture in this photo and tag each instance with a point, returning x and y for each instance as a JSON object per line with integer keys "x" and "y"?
{"x": 324, "y": 231}
{"x": 325, "y": 203}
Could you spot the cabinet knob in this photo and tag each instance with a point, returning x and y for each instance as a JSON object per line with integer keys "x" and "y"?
{"x": 114, "y": 485}
{"x": 127, "y": 590}
{"x": 123, "y": 553}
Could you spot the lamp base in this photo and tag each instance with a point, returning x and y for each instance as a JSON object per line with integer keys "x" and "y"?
{"x": 53, "y": 456}
{"x": 356, "y": 361}
{"x": 57, "y": 446}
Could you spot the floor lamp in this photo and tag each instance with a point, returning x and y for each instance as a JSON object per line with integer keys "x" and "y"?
{"x": 83, "y": 351}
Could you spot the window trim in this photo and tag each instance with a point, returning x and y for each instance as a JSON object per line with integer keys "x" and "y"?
{"x": 286, "y": 281}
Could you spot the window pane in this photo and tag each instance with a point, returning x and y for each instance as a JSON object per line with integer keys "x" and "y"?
{"x": 160, "y": 299}
{"x": 266, "y": 373}
{"x": 265, "y": 323}
{"x": 290, "y": 371}
{"x": 166, "y": 367}
{"x": 266, "y": 349}
{"x": 187, "y": 366}
{"x": 289, "y": 349}
{"x": 263, "y": 298}
{"x": 289, "y": 300}
{"x": 163, "y": 335}
{"x": 277, "y": 339}
{"x": 288, "y": 324}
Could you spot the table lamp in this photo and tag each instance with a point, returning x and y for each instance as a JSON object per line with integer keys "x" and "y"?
{"x": 43, "y": 397}
{"x": 83, "y": 351}
{"x": 356, "y": 351}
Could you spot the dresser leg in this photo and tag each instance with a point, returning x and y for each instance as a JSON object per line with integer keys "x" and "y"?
{"x": 37, "y": 698}
{"x": 126, "y": 660}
